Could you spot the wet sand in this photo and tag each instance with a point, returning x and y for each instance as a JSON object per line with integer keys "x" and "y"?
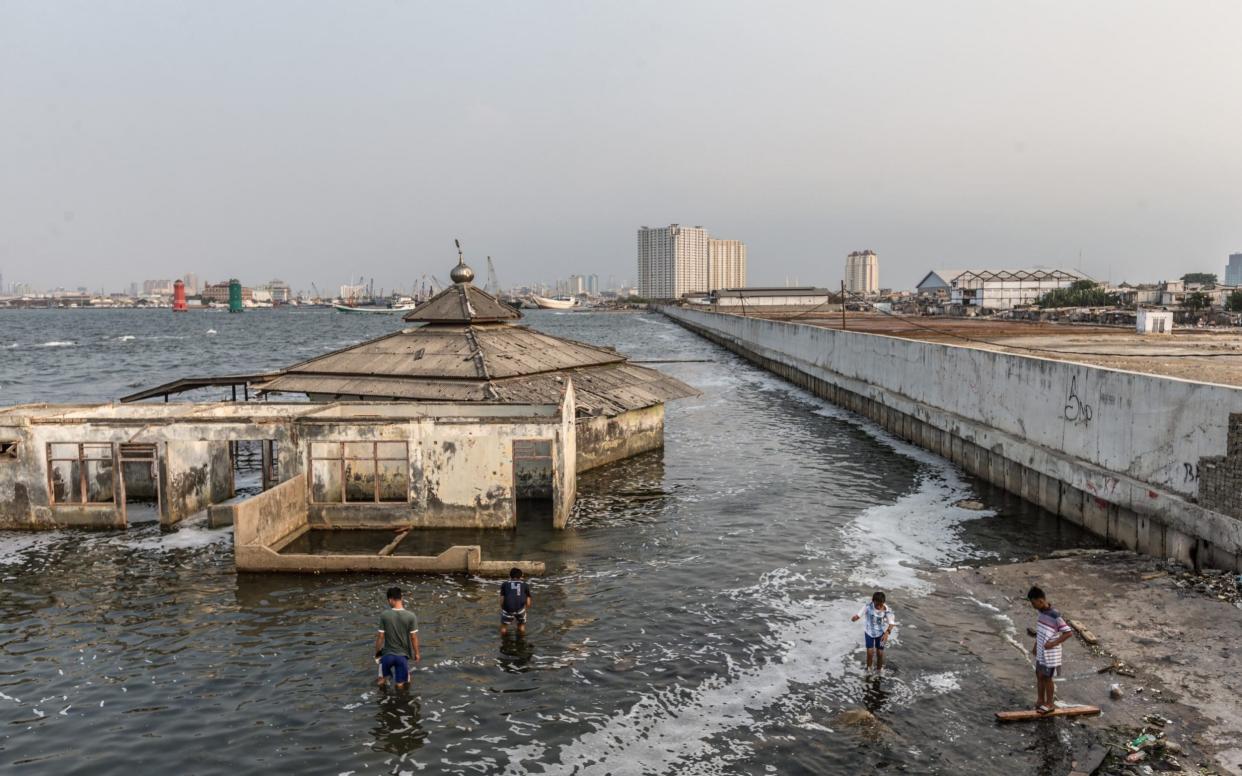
{"x": 1180, "y": 643}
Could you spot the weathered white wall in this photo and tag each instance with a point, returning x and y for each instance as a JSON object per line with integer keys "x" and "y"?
{"x": 1154, "y": 429}
{"x": 565, "y": 457}
{"x": 271, "y": 515}
{"x": 1127, "y": 439}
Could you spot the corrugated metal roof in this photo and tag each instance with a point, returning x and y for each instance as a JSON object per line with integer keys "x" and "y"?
{"x": 458, "y": 352}
{"x": 606, "y": 389}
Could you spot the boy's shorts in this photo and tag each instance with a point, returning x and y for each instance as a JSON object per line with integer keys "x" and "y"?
{"x": 1046, "y": 671}
{"x": 874, "y": 642}
{"x": 508, "y": 618}
{"x": 396, "y": 665}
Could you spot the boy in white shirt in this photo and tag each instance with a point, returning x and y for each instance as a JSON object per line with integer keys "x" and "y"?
{"x": 878, "y": 622}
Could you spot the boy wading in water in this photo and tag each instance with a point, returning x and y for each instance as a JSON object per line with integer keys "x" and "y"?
{"x": 878, "y": 622}
{"x": 514, "y": 601}
{"x": 396, "y": 641}
{"x": 1050, "y": 632}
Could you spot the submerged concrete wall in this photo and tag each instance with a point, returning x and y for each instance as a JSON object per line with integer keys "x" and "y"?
{"x": 266, "y": 518}
{"x": 603, "y": 440}
{"x": 565, "y": 457}
{"x": 1117, "y": 452}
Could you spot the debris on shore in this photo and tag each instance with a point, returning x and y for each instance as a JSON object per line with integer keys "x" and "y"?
{"x": 1146, "y": 750}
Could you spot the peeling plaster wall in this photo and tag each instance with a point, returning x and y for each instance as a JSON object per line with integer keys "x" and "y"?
{"x": 270, "y": 516}
{"x": 193, "y": 463}
{"x": 461, "y": 473}
{"x": 603, "y": 440}
{"x": 565, "y": 456}
{"x": 193, "y": 475}
{"x": 461, "y": 469}
{"x": 1117, "y": 452}
{"x": 23, "y": 483}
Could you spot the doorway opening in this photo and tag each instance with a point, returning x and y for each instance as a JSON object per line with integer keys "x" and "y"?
{"x": 254, "y": 465}
{"x": 533, "y": 480}
{"x": 140, "y": 483}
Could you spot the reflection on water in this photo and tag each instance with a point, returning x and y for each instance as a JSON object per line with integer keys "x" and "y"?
{"x": 398, "y": 723}
{"x": 695, "y": 617}
{"x": 516, "y": 655}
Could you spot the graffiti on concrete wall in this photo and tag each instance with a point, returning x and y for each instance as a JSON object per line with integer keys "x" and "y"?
{"x": 1076, "y": 410}
{"x": 1192, "y": 472}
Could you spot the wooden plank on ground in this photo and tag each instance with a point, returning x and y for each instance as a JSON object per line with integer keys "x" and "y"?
{"x": 1060, "y": 711}
{"x": 1082, "y": 631}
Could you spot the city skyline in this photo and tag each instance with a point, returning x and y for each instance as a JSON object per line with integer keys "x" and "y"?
{"x": 544, "y": 148}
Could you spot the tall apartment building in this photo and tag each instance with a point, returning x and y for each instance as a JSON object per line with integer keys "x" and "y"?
{"x": 192, "y": 284}
{"x": 862, "y": 272}
{"x": 726, "y": 264}
{"x": 672, "y": 260}
{"x": 1233, "y": 271}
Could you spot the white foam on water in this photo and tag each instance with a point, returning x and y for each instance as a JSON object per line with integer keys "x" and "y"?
{"x": 15, "y": 545}
{"x": 57, "y": 344}
{"x": 126, "y": 338}
{"x": 919, "y": 529}
{"x": 210, "y": 332}
{"x": 668, "y": 731}
{"x": 943, "y": 682}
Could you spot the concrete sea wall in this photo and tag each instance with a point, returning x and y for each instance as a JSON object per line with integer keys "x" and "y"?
{"x": 1117, "y": 452}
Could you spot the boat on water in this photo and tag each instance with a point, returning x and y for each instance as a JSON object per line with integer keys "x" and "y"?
{"x": 348, "y": 308}
{"x": 557, "y": 303}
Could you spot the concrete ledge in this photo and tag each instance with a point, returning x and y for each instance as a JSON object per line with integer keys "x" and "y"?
{"x": 455, "y": 560}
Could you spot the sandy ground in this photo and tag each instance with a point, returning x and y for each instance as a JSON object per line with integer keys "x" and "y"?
{"x": 1182, "y": 645}
{"x": 1203, "y": 355}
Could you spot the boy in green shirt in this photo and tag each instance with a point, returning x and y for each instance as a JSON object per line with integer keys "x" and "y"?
{"x": 396, "y": 641}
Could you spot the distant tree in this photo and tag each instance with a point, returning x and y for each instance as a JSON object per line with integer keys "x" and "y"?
{"x": 1202, "y": 278}
{"x": 1197, "y": 301}
{"x": 1081, "y": 293}
{"x": 1234, "y": 302}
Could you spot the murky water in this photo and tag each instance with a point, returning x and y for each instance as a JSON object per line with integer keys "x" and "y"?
{"x": 695, "y": 619}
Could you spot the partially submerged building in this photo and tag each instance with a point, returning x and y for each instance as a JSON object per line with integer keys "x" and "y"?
{"x": 452, "y": 423}
{"x": 385, "y": 467}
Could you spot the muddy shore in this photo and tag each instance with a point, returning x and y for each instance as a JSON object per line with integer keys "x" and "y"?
{"x": 1167, "y": 643}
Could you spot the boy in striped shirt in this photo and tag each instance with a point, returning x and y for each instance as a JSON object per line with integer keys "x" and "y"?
{"x": 1050, "y": 632}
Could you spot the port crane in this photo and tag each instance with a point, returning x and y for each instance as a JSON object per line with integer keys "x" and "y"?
{"x": 493, "y": 285}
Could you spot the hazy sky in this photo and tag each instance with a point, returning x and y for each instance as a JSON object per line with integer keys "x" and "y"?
{"x": 322, "y": 140}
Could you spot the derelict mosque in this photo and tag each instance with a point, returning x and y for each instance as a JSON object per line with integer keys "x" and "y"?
{"x": 450, "y": 422}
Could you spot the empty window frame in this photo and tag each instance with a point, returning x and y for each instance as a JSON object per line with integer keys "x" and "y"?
{"x": 360, "y": 472}
{"x": 81, "y": 473}
{"x": 8, "y": 450}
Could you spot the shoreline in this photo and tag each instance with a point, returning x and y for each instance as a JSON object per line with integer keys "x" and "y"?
{"x": 1167, "y": 644}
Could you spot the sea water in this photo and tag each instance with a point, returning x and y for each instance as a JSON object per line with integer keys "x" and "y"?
{"x": 695, "y": 618}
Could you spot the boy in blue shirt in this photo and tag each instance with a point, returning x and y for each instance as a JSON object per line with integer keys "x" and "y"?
{"x": 515, "y": 599}
{"x": 878, "y": 622}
